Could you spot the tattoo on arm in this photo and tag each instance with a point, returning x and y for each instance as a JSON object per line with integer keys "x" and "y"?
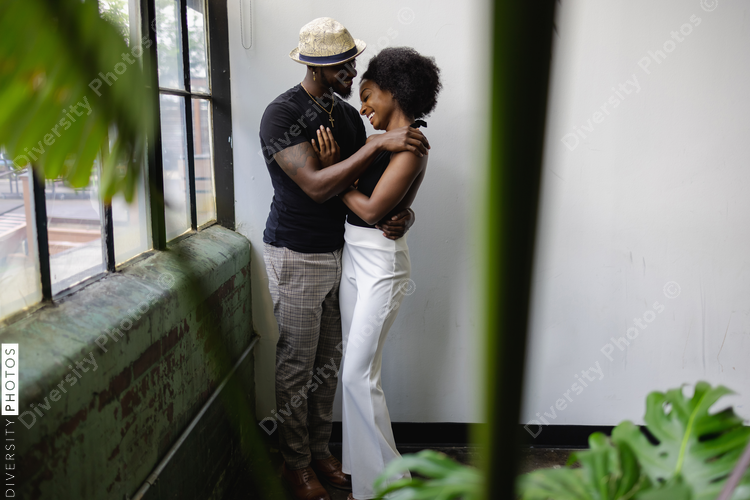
{"x": 294, "y": 158}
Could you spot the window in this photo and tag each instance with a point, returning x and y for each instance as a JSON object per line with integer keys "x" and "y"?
{"x": 130, "y": 221}
{"x": 19, "y": 258}
{"x": 75, "y": 222}
{"x": 53, "y": 237}
{"x": 185, "y": 101}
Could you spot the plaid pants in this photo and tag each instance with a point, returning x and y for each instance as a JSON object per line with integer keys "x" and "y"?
{"x": 305, "y": 292}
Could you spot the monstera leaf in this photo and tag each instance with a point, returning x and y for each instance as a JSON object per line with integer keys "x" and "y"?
{"x": 700, "y": 447}
{"x": 695, "y": 453}
{"x": 676, "y": 489}
{"x": 446, "y": 479}
{"x": 69, "y": 86}
{"x": 608, "y": 472}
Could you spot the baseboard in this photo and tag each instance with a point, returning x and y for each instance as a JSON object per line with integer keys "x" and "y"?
{"x": 560, "y": 436}
{"x": 442, "y": 434}
{"x": 422, "y": 433}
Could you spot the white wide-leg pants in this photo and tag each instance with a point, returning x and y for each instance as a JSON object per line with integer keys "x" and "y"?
{"x": 374, "y": 279}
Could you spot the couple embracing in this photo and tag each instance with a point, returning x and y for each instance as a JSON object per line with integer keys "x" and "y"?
{"x": 335, "y": 247}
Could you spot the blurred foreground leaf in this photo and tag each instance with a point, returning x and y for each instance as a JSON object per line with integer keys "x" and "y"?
{"x": 695, "y": 453}
{"x": 608, "y": 472}
{"x": 445, "y": 478}
{"x": 57, "y": 110}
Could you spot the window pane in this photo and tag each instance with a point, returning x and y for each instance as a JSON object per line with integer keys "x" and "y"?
{"x": 204, "y": 161}
{"x": 174, "y": 157}
{"x": 126, "y": 15}
{"x": 197, "y": 45}
{"x": 20, "y": 282}
{"x": 131, "y": 223}
{"x": 117, "y": 12}
{"x": 74, "y": 227}
{"x": 169, "y": 44}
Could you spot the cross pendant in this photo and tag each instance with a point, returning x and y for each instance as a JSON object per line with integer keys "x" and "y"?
{"x": 330, "y": 118}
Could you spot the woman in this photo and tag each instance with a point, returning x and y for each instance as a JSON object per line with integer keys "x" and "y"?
{"x": 399, "y": 87}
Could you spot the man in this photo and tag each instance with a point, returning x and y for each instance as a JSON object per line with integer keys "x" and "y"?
{"x": 303, "y": 240}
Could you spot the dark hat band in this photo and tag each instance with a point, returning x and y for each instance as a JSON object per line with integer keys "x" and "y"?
{"x": 329, "y": 59}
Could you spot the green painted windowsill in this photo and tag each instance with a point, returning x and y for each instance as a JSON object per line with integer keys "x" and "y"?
{"x": 147, "y": 301}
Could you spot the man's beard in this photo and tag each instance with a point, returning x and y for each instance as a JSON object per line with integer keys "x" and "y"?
{"x": 341, "y": 89}
{"x": 345, "y": 92}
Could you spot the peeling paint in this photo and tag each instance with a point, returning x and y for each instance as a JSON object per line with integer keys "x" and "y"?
{"x": 108, "y": 431}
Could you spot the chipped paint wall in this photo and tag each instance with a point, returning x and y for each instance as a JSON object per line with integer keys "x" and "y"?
{"x": 642, "y": 269}
{"x": 100, "y": 409}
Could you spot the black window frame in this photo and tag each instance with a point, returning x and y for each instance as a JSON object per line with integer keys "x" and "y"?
{"x": 217, "y": 36}
{"x": 217, "y": 41}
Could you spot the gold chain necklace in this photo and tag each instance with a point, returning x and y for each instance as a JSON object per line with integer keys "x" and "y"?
{"x": 330, "y": 113}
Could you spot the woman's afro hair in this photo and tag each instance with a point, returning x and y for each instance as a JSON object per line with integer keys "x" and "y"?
{"x": 413, "y": 79}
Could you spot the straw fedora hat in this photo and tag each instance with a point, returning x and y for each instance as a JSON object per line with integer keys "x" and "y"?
{"x": 325, "y": 42}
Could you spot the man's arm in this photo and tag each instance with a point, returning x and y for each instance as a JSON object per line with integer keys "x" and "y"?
{"x": 301, "y": 163}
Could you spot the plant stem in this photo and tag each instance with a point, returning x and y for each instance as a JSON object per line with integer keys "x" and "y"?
{"x": 734, "y": 479}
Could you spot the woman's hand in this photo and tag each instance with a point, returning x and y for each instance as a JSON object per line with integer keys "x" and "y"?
{"x": 326, "y": 147}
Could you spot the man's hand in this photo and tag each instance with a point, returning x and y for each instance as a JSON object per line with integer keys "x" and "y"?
{"x": 403, "y": 139}
{"x": 395, "y": 227}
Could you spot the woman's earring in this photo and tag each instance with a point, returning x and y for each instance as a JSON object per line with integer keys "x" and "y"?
{"x": 313, "y": 76}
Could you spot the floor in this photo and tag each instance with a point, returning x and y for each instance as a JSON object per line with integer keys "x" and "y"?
{"x": 532, "y": 459}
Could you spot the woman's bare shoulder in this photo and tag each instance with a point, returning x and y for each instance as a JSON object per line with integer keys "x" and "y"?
{"x": 409, "y": 159}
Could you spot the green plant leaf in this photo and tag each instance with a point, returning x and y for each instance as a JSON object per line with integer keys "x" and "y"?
{"x": 608, "y": 472}
{"x": 700, "y": 447}
{"x": 676, "y": 489}
{"x": 54, "y": 116}
{"x": 559, "y": 484}
{"x": 446, "y": 479}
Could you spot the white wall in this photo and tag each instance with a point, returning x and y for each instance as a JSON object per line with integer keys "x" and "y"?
{"x": 656, "y": 193}
{"x": 429, "y": 366}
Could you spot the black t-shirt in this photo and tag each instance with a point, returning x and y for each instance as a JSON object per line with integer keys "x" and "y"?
{"x": 296, "y": 221}
{"x": 366, "y": 185}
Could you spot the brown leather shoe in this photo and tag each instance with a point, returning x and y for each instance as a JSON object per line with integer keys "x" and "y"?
{"x": 304, "y": 484}
{"x": 330, "y": 470}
